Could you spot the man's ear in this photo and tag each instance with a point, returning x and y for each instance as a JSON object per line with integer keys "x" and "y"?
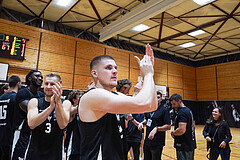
{"x": 94, "y": 73}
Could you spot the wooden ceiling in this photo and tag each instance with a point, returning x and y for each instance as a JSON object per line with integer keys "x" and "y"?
{"x": 220, "y": 20}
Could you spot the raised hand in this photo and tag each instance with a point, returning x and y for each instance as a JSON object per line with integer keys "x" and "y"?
{"x": 138, "y": 87}
{"x": 146, "y": 64}
{"x": 149, "y": 52}
{"x": 57, "y": 90}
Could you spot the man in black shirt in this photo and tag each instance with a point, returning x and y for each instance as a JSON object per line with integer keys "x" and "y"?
{"x": 34, "y": 81}
{"x": 47, "y": 117}
{"x": 99, "y": 129}
{"x": 157, "y": 122}
{"x": 184, "y": 133}
{"x": 7, "y": 104}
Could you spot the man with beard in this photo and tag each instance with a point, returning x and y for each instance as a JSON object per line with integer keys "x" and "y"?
{"x": 157, "y": 123}
{"x": 34, "y": 81}
{"x": 47, "y": 117}
{"x": 99, "y": 129}
{"x": 184, "y": 130}
{"x": 7, "y": 104}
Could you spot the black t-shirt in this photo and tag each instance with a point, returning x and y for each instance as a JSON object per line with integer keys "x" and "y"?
{"x": 187, "y": 141}
{"x": 46, "y": 142}
{"x": 101, "y": 139}
{"x": 20, "y": 121}
{"x": 132, "y": 132}
{"x": 19, "y": 114}
{"x": 159, "y": 117}
{"x": 7, "y": 105}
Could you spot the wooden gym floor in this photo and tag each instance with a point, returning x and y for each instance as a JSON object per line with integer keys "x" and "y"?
{"x": 169, "y": 152}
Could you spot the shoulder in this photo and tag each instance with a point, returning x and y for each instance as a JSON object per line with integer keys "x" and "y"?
{"x": 33, "y": 102}
{"x": 67, "y": 103}
{"x": 24, "y": 90}
{"x": 225, "y": 124}
{"x": 22, "y": 93}
{"x": 41, "y": 94}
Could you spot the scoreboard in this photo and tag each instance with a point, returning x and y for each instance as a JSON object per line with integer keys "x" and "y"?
{"x": 12, "y": 47}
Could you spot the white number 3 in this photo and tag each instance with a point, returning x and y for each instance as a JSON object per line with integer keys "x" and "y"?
{"x": 48, "y": 130}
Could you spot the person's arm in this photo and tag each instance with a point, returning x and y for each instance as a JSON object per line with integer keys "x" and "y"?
{"x": 23, "y": 105}
{"x": 205, "y": 132}
{"x": 134, "y": 121}
{"x": 73, "y": 113}
{"x": 159, "y": 128}
{"x": 140, "y": 125}
{"x": 62, "y": 110}
{"x": 180, "y": 130}
{"x": 33, "y": 117}
{"x": 227, "y": 135}
{"x": 106, "y": 102}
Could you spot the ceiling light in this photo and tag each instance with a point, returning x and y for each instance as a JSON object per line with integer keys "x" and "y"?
{"x": 140, "y": 28}
{"x": 203, "y": 2}
{"x": 187, "y": 45}
{"x": 63, "y": 3}
{"x": 197, "y": 32}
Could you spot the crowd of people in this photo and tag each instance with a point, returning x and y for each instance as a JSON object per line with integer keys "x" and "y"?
{"x": 100, "y": 124}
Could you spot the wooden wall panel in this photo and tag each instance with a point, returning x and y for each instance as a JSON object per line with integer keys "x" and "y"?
{"x": 189, "y": 84}
{"x": 133, "y": 61}
{"x": 67, "y": 79}
{"x": 207, "y": 95}
{"x": 160, "y": 66}
{"x": 206, "y": 72}
{"x": 21, "y": 73}
{"x": 189, "y": 94}
{"x": 189, "y": 72}
{"x": 82, "y": 67}
{"x": 134, "y": 73}
{"x": 229, "y": 94}
{"x": 56, "y": 63}
{"x": 59, "y": 44}
{"x": 175, "y": 82}
{"x": 175, "y": 69}
{"x": 123, "y": 72}
{"x": 81, "y": 82}
{"x": 175, "y": 90}
{"x": 228, "y": 69}
{"x": 229, "y": 82}
{"x": 160, "y": 79}
{"x": 206, "y": 84}
{"x": 30, "y": 62}
{"x": 23, "y": 31}
{"x": 121, "y": 57}
{"x": 89, "y": 50}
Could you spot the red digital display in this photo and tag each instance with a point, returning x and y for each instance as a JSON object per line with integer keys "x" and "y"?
{"x": 12, "y": 47}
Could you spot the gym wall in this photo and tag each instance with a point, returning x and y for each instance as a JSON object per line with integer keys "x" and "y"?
{"x": 70, "y": 57}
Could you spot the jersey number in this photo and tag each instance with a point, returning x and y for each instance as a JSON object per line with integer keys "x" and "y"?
{"x": 3, "y": 111}
{"x": 48, "y": 130}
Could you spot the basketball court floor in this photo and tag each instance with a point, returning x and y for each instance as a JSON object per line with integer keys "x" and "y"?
{"x": 169, "y": 152}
